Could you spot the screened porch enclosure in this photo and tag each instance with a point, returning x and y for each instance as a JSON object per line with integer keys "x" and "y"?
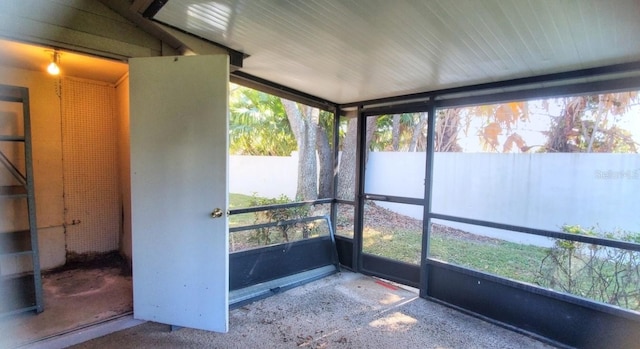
{"x": 525, "y": 215}
{"x": 466, "y": 199}
{"x": 484, "y": 153}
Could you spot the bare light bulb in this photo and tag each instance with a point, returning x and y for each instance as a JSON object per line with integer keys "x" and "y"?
{"x": 53, "y": 67}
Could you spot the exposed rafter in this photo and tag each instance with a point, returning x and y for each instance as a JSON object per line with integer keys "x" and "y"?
{"x": 180, "y": 41}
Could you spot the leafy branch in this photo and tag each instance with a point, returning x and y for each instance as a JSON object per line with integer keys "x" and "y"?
{"x": 606, "y": 274}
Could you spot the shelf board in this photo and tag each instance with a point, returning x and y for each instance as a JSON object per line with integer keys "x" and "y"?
{"x": 18, "y": 242}
{"x": 13, "y": 191}
{"x": 18, "y": 294}
{"x": 12, "y": 138}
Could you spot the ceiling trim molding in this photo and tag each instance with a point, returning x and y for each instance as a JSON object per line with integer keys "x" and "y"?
{"x": 500, "y": 86}
{"x": 609, "y": 85}
{"x": 275, "y": 89}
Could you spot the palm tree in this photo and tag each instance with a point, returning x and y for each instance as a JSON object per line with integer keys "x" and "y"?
{"x": 258, "y": 125}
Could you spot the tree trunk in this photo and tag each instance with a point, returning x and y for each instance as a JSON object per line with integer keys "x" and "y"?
{"x": 446, "y": 133}
{"x": 347, "y": 169}
{"x": 594, "y": 131}
{"x": 325, "y": 157}
{"x": 417, "y": 133}
{"x": 304, "y": 123}
{"x": 395, "y": 132}
{"x": 372, "y": 122}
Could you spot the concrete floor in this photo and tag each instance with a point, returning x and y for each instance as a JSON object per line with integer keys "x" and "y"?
{"x": 73, "y": 299}
{"x": 346, "y": 310}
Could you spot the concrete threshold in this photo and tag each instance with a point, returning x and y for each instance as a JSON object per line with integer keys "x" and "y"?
{"x": 85, "y": 333}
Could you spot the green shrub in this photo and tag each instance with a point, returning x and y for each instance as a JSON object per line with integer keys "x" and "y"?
{"x": 280, "y": 233}
{"x": 606, "y": 274}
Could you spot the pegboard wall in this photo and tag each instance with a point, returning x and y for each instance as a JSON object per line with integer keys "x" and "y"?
{"x": 92, "y": 195}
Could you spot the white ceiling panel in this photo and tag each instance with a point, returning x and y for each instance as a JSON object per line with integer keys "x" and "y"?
{"x": 346, "y": 51}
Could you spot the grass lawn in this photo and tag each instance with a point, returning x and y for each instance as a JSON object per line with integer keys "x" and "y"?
{"x": 507, "y": 259}
{"x": 240, "y": 240}
{"x": 241, "y": 201}
{"x": 402, "y": 245}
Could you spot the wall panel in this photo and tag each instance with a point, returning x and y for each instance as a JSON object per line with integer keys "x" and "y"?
{"x": 90, "y": 156}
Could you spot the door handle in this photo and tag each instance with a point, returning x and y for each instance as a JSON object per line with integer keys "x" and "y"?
{"x": 217, "y": 213}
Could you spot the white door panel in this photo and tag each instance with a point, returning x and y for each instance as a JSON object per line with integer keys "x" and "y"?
{"x": 179, "y": 117}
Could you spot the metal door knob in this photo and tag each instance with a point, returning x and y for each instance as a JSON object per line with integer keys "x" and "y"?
{"x": 217, "y": 213}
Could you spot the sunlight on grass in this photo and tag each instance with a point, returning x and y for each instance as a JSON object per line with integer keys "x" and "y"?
{"x": 402, "y": 245}
{"x": 370, "y": 237}
{"x": 507, "y": 259}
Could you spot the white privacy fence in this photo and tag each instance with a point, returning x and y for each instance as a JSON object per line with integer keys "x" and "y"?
{"x": 265, "y": 176}
{"x": 540, "y": 190}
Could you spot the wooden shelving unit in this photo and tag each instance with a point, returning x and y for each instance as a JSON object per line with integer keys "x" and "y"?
{"x": 21, "y": 291}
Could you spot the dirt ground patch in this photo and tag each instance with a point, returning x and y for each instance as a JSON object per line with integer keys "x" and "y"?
{"x": 383, "y": 219}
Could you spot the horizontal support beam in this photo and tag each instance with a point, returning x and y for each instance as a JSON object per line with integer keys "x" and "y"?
{"x": 279, "y": 206}
{"x": 541, "y": 232}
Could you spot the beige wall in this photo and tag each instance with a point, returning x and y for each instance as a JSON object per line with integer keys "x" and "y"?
{"x": 47, "y": 160}
{"x": 77, "y": 157}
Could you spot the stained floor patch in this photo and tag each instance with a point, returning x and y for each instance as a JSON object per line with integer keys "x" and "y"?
{"x": 73, "y": 298}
